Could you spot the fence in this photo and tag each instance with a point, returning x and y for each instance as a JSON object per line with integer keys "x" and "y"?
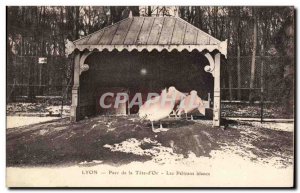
{"x": 32, "y": 76}
{"x": 270, "y": 95}
{"x": 36, "y": 66}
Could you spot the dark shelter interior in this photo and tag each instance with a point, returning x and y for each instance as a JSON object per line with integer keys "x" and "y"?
{"x": 141, "y": 72}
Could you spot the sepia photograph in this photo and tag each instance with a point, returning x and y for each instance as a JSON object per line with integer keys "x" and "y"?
{"x": 150, "y": 96}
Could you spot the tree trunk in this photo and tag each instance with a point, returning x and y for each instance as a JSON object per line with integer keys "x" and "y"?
{"x": 199, "y": 22}
{"x": 76, "y": 23}
{"x": 239, "y": 71}
{"x": 262, "y": 83}
{"x": 149, "y": 11}
{"x": 229, "y": 81}
{"x": 31, "y": 94}
{"x": 252, "y": 76}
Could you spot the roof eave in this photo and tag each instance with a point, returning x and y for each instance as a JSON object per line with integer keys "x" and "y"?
{"x": 221, "y": 47}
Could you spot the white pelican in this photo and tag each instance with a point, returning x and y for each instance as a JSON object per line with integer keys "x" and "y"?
{"x": 191, "y": 103}
{"x": 158, "y": 108}
{"x": 177, "y": 96}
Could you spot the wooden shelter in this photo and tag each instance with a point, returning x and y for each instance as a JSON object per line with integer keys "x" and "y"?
{"x": 162, "y": 46}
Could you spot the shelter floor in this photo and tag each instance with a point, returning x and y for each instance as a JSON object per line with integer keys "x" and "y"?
{"x": 118, "y": 140}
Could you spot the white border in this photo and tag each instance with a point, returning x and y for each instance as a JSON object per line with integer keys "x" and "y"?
{"x": 99, "y": 3}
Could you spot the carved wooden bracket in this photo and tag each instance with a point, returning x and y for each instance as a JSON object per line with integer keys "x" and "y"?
{"x": 84, "y": 67}
{"x": 211, "y": 67}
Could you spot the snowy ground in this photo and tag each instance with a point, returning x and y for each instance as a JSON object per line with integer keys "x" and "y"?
{"x": 274, "y": 126}
{"x": 36, "y": 109}
{"x": 241, "y": 154}
{"x": 272, "y": 110}
{"x": 44, "y": 150}
{"x": 222, "y": 169}
{"x": 45, "y": 108}
{"x": 23, "y": 114}
{"x": 18, "y": 121}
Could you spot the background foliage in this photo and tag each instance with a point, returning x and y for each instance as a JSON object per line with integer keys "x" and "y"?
{"x": 260, "y": 45}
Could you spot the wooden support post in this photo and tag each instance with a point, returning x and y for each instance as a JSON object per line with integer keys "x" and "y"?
{"x": 79, "y": 67}
{"x": 75, "y": 90}
{"x": 214, "y": 68}
{"x": 217, "y": 91}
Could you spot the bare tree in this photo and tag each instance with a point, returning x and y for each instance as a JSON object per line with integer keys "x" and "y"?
{"x": 252, "y": 75}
